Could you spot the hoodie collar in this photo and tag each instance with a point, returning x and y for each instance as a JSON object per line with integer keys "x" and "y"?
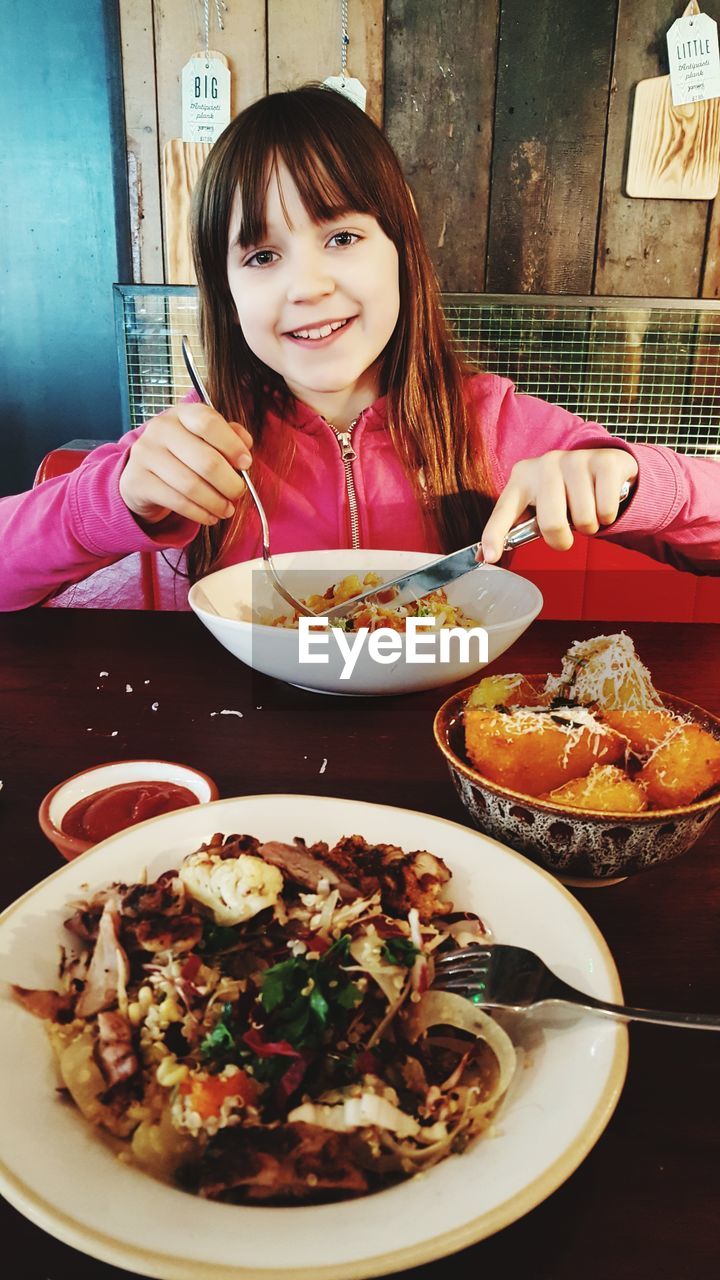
{"x": 302, "y": 417}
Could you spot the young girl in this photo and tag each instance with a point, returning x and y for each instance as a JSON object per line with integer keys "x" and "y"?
{"x": 333, "y": 375}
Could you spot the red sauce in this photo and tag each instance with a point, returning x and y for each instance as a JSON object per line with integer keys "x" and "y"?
{"x": 103, "y": 814}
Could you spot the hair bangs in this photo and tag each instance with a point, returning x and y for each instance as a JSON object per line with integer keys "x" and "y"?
{"x": 327, "y": 178}
{"x": 333, "y": 173}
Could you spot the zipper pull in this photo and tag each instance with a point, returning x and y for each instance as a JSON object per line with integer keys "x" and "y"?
{"x": 345, "y": 442}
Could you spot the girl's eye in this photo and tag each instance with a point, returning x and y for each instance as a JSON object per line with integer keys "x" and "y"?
{"x": 344, "y": 238}
{"x": 261, "y": 258}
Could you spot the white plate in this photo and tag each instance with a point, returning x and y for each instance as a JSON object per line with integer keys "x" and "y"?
{"x": 61, "y": 1175}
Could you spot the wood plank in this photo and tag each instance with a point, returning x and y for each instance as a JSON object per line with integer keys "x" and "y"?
{"x": 711, "y": 264}
{"x": 646, "y": 248}
{"x": 439, "y": 98}
{"x": 553, "y": 84}
{"x": 304, "y": 45}
{"x": 674, "y": 151}
{"x": 182, "y": 162}
{"x": 141, "y": 131}
{"x": 179, "y": 33}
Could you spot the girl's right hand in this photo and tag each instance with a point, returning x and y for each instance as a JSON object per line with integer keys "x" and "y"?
{"x": 186, "y": 461}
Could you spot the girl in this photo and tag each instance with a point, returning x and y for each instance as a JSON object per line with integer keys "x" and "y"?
{"x": 334, "y": 375}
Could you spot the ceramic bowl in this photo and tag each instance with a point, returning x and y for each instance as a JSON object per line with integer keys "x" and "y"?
{"x": 57, "y": 803}
{"x": 581, "y": 847}
{"x": 233, "y": 603}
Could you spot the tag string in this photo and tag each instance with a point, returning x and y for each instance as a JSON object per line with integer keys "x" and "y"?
{"x": 220, "y": 6}
{"x": 344, "y": 37}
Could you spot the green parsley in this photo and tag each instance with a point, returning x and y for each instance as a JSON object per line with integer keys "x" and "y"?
{"x": 305, "y": 998}
{"x": 400, "y": 951}
{"x": 220, "y": 1045}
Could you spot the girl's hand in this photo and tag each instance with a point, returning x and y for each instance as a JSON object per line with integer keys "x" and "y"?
{"x": 186, "y": 461}
{"x": 578, "y": 485}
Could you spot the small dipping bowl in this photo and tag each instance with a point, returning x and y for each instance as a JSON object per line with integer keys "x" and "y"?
{"x": 58, "y": 802}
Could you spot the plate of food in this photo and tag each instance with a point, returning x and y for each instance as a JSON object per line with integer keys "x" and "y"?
{"x": 221, "y": 1054}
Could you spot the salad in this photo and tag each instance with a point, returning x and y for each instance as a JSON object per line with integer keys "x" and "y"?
{"x": 380, "y": 612}
{"x": 259, "y": 1024}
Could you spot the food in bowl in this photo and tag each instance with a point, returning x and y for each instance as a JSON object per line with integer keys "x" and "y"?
{"x": 238, "y": 604}
{"x": 374, "y": 614}
{"x": 258, "y": 1027}
{"x": 104, "y": 813}
{"x": 533, "y": 766}
{"x": 595, "y": 737}
{"x": 106, "y": 798}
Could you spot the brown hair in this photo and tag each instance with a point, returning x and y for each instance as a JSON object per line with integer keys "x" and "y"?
{"x": 341, "y": 162}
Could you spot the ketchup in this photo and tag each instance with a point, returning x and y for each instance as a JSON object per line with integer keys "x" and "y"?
{"x": 106, "y": 812}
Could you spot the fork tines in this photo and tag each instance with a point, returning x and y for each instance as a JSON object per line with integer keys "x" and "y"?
{"x": 471, "y": 955}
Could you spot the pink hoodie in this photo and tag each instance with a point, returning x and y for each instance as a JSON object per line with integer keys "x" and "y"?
{"x": 70, "y": 527}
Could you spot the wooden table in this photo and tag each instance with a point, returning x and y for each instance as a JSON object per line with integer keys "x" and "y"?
{"x": 82, "y": 687}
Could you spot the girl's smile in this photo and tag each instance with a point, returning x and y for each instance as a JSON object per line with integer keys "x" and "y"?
{"x": 322, "y": 334}
{"x": 317, "y": 302}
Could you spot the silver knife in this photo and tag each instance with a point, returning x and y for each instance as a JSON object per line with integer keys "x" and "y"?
{"x": 438, "y": 573}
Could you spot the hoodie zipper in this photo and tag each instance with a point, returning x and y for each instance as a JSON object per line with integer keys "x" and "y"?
{"x": 344, "y": 439}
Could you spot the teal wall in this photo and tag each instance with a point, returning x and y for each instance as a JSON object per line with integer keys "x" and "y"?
{"x": 64, "y": 232}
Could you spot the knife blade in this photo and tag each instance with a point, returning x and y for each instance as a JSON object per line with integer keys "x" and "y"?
{"x": 439, "y": 573}
{"x": 413, "y": 585}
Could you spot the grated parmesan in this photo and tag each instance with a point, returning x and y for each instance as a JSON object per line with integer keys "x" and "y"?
{"x": 606, "y": 670}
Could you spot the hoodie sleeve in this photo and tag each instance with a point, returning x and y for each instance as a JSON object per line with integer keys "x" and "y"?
{"x": 64, "y": 529}
{"x": 673, "y": 513}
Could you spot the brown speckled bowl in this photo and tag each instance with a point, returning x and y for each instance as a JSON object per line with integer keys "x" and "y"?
{"x": 579, "y": 846}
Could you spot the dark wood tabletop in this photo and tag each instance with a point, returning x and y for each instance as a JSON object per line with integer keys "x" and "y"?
{"x": 80, "y": 687}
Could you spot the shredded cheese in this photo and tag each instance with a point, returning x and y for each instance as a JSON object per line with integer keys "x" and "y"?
{"x": 605, "y": 669}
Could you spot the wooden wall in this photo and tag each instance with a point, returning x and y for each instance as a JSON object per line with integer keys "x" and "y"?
{"x": 511, "y": 119}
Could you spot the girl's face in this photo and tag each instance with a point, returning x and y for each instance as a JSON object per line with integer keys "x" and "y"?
{"x": 317, "y": 302}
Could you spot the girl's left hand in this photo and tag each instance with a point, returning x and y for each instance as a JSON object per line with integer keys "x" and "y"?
{"x": 578, "y": 485}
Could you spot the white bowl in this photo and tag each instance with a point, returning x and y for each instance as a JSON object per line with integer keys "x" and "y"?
{"x": 230, "y": 602}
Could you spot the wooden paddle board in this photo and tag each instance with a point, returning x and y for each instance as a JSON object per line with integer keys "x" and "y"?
{"x": 674, "y": 151}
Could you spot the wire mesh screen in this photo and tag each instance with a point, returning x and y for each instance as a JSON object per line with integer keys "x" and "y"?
{"x": 646, "y": 369}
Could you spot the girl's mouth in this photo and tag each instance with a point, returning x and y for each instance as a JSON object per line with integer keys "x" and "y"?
{"x": 321, "y": 336}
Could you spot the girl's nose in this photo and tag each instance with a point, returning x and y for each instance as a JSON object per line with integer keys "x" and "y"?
{"x": 309, "y": 279}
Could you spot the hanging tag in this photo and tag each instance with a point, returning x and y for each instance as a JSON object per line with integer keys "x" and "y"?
{"x": 350, "y": 87}
{"x": 694, "y": 59}
{"x": 205, "y": 98}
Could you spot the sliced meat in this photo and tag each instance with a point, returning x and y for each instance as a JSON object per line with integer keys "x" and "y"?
{"x": 165, "y": 897}
{"x": 108, "y": 970}
{"x": 115, "y": 1051}
{"x": 83, "y": 923}
{"x": 231, "y": 846}
{"x": 405, "y": 880}
{"x": 291, "y": 1161}
{"x": 302, "y": 867}
{"x": 159, "y": 933}
{"x": 55, "y": 1005}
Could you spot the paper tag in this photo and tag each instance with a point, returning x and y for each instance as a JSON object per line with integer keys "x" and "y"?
{"x": 351, "y": 87}
{"x": 694, "y": 59}
{"x": 205, "y": 99}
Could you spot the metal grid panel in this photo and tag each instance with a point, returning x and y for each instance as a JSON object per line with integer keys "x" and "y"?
{"x": 647, "y": 369}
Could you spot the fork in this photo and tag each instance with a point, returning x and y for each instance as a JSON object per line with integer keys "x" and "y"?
{"x": 281, "y": 589}
{"x": 505, "y": 977}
